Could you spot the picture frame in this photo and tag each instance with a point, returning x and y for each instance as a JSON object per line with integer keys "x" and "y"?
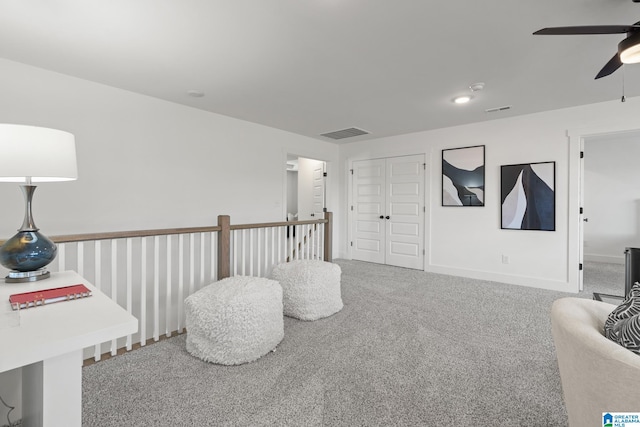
{"x": 528, "y": 196}
{"x": 463, "y": 174}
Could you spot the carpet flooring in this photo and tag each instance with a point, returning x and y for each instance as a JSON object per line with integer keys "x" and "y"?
{"x": 409, "y": 349}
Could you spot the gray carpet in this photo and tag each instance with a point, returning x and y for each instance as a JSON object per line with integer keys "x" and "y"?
{"x": 408, "y": 349}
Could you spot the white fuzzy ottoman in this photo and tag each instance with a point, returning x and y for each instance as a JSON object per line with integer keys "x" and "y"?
{"x": 311, "y": 288}
{"x": 235, "y": 320}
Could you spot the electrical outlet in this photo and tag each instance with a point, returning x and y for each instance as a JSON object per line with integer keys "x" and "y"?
{"x": 505, "y": 259}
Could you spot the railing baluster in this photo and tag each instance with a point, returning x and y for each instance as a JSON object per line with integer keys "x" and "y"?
{"x": 307, "y": 240}
{"x": 257, "y": 251}
{"x": 129, "y": 285}
{"x": 62, "y": 249}
{"x": 322, "y": 257}
{"x": 214, "y": 257}
{"x": 235, "y": 252}
{"x": 251, "y": 249}
{"x": 156, "y": 288}
{"x": 244, "y": 253}
{"x": 202, "y": 261}
{"x": 143, "y": 292}
{"x": 192, "y": 261}
{"x": 266, "y": 252}
{"x": 273, "y": 242}
{"x": 80, "y": 258}
{"x": 97, "y": 282}
{"x": 301, "y": 243}
{"x": 180, "y": 280}
{"x": 312, "y": 241}
{"x": 280, "y": 233}
{"x": 114, "y": 286}
{"x": 167, "y": 314}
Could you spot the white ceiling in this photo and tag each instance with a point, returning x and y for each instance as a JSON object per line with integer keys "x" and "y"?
{"x": 316, "y": 66}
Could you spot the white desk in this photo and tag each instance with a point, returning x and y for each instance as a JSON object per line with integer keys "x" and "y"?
{"x": 48, "y": 346}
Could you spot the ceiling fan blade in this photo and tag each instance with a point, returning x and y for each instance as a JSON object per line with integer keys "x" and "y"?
{"x": 588, "y": 29}
{"x": 611, "y": 66}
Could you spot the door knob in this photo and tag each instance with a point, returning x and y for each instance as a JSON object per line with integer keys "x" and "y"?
{"x": 313, "y": 214}
{"x": 586, "y": 219}
{"x": 388, "y": 217}
{"x": 381, "y": 216}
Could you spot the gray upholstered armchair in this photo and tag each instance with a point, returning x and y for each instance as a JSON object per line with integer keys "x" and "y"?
{"x": 597, "y": 374}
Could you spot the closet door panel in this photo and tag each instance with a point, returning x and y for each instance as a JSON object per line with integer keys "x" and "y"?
{"x": 405, "y": 209}
{"x": 368, "y": 206}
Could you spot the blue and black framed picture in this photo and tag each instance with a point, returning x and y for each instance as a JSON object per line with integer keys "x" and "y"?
{"x": 463, "y": 176}
{"x": 528, "y": 196}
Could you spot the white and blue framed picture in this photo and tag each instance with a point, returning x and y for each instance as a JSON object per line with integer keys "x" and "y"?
{"x": 528, "y": 196}
{"x": 463, "y": 176}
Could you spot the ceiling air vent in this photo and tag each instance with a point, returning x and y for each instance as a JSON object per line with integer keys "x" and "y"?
{"x": 345, "y": 133}
{"x": 495, "y": 110}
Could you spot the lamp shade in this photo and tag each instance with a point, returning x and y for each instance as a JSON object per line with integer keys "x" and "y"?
{"x": 41, "y": 154}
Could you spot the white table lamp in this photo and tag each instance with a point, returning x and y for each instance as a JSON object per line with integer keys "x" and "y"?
{"x": 31, "y": 154}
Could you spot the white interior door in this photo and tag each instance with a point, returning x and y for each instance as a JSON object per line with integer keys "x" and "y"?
{"x": 310, "y": 188}
{"x": 368, "y": 211}
{"x": 405, "y": 211}
{"x": 388, "y": 211}
{"x": 318, "y": 190}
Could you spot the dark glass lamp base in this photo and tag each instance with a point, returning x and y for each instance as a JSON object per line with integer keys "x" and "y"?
{"x": 26, "y": 254}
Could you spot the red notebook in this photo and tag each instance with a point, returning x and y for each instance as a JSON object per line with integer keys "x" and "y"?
{"x": 48, "y": 296}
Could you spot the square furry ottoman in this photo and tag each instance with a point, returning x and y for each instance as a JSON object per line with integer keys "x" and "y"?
{"x": 311, "y": 288}
{"x": 234, "y": 320}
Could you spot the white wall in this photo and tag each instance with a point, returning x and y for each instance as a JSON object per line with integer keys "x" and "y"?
{"x": 469, "y": 241}
{"x": 611, "y": 196}
{"x": 147, "y": 163}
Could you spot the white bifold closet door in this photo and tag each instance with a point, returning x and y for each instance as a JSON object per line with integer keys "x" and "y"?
{"x": 388, "y": 211}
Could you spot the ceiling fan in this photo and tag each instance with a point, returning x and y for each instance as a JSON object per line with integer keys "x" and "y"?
{"x": 628, "y": 49}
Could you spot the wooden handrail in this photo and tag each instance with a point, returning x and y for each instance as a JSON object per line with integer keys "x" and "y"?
{"x": 130, "y": 234}
{"x": 278, "y": 224}
{"x": 110, "y": 235}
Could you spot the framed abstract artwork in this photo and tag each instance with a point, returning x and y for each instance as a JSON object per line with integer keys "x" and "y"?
{"x": 463, "y": 176}
{"x": 528, "y": 196}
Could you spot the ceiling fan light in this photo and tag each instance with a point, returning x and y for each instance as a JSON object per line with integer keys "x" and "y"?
{"x": 629, "y": 49}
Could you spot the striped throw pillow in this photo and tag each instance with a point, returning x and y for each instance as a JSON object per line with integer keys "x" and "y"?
{"x": 628, "y": 333}
{"x": 623, "y": 323}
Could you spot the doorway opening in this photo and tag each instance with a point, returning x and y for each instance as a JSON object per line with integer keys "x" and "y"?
{"x": 306, "y": 188}
{"x": 611, "y": 201}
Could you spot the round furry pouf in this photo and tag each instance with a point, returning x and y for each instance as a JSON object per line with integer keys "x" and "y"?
{"x": 235, "y": 320}
{"x": 311, "y": 288}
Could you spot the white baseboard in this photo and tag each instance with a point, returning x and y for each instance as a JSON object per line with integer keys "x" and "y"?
{"x": 604, "y": 258}
{"x": 534, "y": 282}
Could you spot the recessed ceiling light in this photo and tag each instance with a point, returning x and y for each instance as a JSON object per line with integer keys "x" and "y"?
{"x": 195, "y": 93}
{"x": 462, "y": 99}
